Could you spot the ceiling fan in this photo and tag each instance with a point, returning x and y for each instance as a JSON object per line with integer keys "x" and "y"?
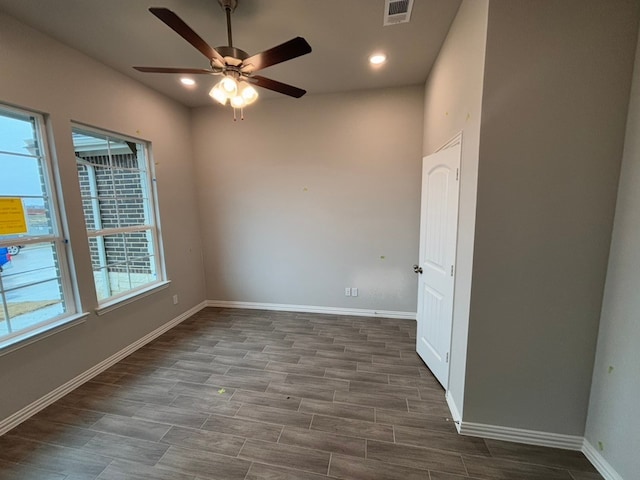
{"x": 235, "y": 65}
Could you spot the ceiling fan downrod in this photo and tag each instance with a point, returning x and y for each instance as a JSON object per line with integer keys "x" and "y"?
{"x": 229, "y": 6}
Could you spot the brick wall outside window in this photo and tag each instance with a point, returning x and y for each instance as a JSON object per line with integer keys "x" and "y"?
{"x": 119, "y": 180}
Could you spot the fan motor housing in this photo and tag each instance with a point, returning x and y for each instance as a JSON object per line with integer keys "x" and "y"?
{"x": 232, "y": 52}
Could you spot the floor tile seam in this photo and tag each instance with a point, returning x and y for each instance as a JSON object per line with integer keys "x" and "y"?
{"x": 63, "y": 447}
{"x": 101, "y": 471}
{"x": 436, "y": 449}
{"x": 367, "y": 406}
{"x": 279, "y": 410}
{"x": 341, "y": 380}
{"x": 137, "y": 439}
{"x": 393, "y": 462}
{"x": 397, "y": 396}
{"x": 331, "y": 434}
{"x": 356, "y": 380}
{"x": 23, "y": 464}
{"x": 205, "y": 452}
{"x": 205, "y": 421}
{"x": 268, "y": 406}
{"x": 533, "y": 464}
{"x": 64, "y": 424}
{"x": 351, "y": 436}
{"x": 262, "y": 421}
{"x": 338, "y": 417}
{"x": 130, "y": 417}
{"x": 298, "y": 447}
{"x": 205, "y": 431}
{"x": 50, "y": 444}
{"x": 141, "y": 404}
{"x": 248, "y": 470}
{"x": 289, "y": 467}
{"x": 164, "y": 453}
{"x": 544, "y": 465}
{"x": 240, "y": 450}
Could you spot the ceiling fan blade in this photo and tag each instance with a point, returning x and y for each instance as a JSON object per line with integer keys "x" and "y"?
{"x": 175, "y": 22}
{"x": 174, "y": 70}
{"x": 276, "y": 86}
{"x": 293, "y": 48}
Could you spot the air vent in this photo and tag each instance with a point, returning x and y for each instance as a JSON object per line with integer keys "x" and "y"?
{"x": 397, "y": 11}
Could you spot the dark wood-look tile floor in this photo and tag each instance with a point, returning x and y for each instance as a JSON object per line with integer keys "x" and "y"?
{"x": 248, "y": 395}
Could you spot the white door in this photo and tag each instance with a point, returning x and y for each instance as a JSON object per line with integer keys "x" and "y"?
{"x": 436, "y": 270}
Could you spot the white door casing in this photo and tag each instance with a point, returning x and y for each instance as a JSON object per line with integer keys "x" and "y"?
{"x": 436, "y": 268}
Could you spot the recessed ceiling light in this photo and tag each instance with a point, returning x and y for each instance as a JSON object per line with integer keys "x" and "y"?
{"x": 377, "y": 58}
{"x": 187, "y": 81}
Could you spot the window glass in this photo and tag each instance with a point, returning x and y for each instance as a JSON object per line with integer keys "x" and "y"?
{"x": 35, "y": 287}
{"x": 119, "y": 212}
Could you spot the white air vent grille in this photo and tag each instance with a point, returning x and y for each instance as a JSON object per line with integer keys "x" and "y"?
{"x": 397, "y": 11}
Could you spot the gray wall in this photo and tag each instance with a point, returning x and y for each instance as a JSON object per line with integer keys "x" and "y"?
{"x": 49, "y": 77}
{"x": 615, "y": 393}
{"x": 453, "y": 102}
{"x": 556, "y": 87}
{"x": 304, "y": 197}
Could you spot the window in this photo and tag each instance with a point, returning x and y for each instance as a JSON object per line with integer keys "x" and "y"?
{"x": 117, "y": 199}
{"x": 35, "y": 289}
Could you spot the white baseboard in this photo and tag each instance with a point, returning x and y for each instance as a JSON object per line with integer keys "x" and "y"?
{"x": 520, "y": 435}
{"x": 604, "y": 468}
{"x": 43, "y": 402}
{"x": 453, "y": 408}
{"x": 360, "y": 312}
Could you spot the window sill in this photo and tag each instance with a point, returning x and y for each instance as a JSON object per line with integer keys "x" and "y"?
{"x": 38, "y": 334}
{"x": 122, "y": 301}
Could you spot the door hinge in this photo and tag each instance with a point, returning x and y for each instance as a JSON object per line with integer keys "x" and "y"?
{"x": 452, "y": 270}
{"x": 447, "y": 359}
{"x": 457, "y": 173}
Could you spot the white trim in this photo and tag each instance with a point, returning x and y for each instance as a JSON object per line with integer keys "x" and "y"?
{"x": 595, "y": 457}
{"x": 453, "y": 408}
{"x": 56, "y": 394}
{"x": 359, "y": 312}
{"x": 132, "y": 297}
{"x": 31, "y": 336}
{"x": 456, "y": 139}
{"x": 520, "y": 435}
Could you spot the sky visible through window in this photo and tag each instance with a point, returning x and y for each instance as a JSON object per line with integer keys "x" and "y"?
{"x": 20, "y": 175}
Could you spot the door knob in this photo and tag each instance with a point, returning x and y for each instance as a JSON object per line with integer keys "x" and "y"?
{"x": 417, "y": 269}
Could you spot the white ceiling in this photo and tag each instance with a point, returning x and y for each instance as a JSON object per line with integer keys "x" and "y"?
{"x": 342, "y": 33}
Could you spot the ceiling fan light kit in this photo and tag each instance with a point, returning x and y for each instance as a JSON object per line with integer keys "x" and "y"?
{"x": 236, "y": 66}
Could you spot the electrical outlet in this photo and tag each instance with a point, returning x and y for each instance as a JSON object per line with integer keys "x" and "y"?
{"x": 175, "y": 299}
{"x": 354, "y": 292}
{"x": 347, "y": 292}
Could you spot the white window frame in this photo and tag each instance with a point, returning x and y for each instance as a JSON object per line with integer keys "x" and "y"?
{"x": 153, "y": 227}
{"x": 57, "y": 237}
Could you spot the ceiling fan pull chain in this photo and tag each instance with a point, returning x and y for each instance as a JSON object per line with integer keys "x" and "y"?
{"x": 235, "y": 119}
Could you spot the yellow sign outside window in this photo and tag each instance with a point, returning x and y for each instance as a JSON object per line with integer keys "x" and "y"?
{"x": 12, "y": 217}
